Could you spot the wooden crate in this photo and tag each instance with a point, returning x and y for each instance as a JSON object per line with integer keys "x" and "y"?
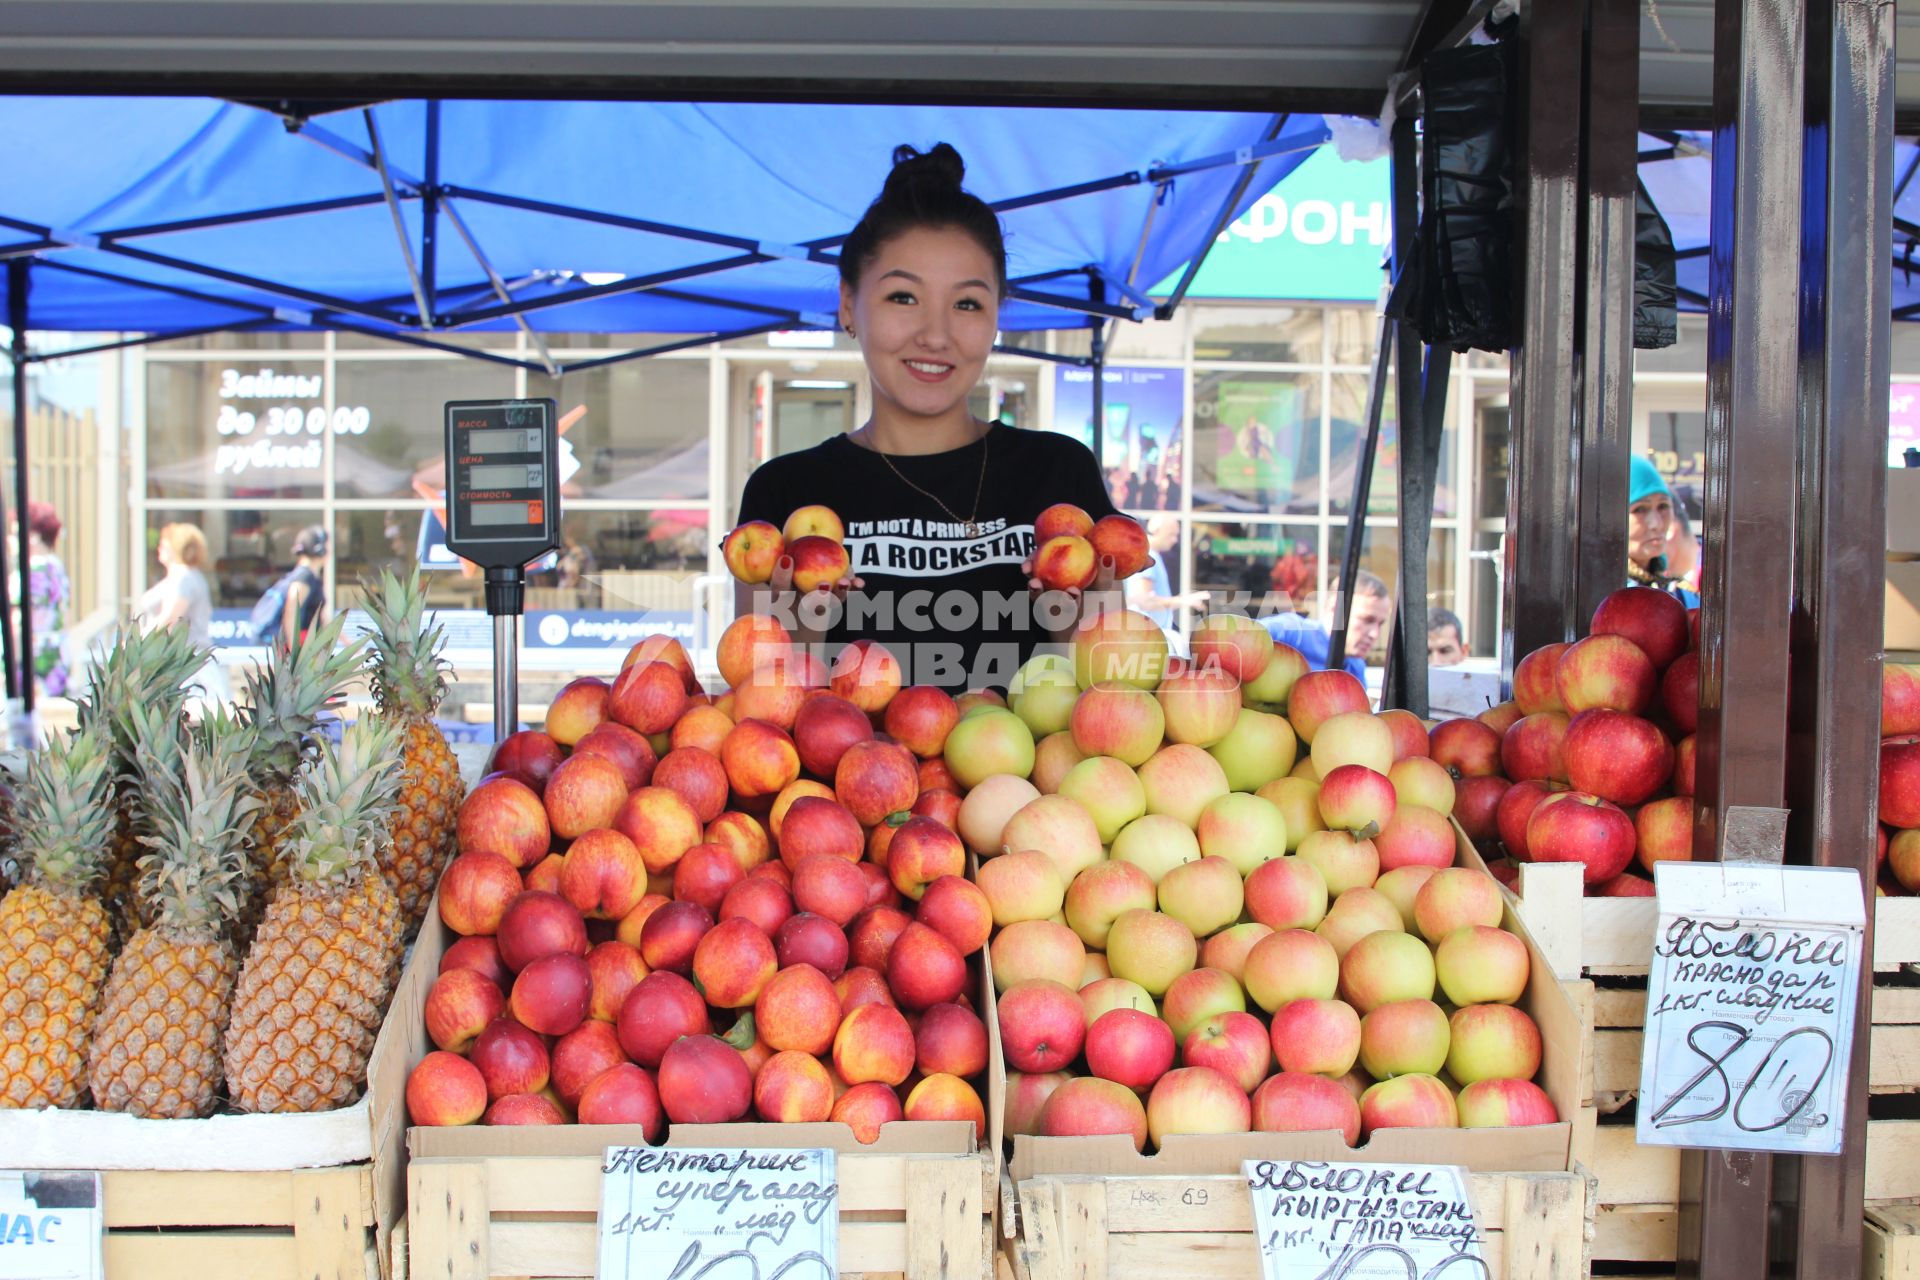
{"x": 912, "y": 1216}
{"x": 1892, "y": 1242}
{"x": 314, "y": 1224}
{"x": 1066, "y": 1227}
{"x": 1610, "y": 942}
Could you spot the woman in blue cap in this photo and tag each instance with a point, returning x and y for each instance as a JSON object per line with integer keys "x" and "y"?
{"x": 1650, "y": 527}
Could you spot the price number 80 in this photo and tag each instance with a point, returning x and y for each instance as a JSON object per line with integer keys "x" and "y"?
{"x": 292, "y": 420}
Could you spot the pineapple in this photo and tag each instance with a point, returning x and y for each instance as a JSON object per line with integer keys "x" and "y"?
{"x": 409, "y": 680}
{"x": 54, "y": 931}
{"x": 323, "y": 963}
{"x": 143, "y": 669}
{"x": 285, "y": 701}
{"x": 156, "y": 1046}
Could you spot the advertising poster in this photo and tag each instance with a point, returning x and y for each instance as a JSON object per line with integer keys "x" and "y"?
{"x": 1144, "y": 418}
{"x": 1256, "y": 425}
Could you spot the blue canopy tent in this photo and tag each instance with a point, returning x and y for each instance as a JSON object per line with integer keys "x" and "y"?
{"x": 416, "y": 220}
{"x": 1677, "y": 171}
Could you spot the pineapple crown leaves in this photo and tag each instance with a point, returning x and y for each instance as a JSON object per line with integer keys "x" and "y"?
{"x": 408, "y": 674}
{"x": 346, "y": 797}
{"x": 286, "y": 698}
{"x": 143, "y": 668}
{"x": 66, "y": 810}
{"x": 201, "y": 808}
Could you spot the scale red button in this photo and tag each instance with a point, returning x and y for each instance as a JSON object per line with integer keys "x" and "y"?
{"x": 537, "y": 511}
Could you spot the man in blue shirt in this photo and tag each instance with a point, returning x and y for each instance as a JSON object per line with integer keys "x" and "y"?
{"x": 1372, "y": 608}
{"x": 1151, "y": 591}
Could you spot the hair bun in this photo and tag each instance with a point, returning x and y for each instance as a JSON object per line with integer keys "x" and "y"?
{"x": 916, "y": 170}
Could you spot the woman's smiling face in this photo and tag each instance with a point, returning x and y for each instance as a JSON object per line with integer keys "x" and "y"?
{"x": 925, "y": 313}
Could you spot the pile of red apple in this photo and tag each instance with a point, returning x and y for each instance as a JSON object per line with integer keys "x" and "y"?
{"x": 670, "y": 916}
{"x": 1068, "y": 547}
{"x": 1899, "y": 831}
{"x": 1201, "y": 929}
{"x": 1593, "y": 759}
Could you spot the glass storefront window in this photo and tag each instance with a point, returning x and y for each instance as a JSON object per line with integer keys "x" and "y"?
{"x": 247, "y": 551}
{"x": 645, "y": 434}
{"x": 253, "y": 428}
{"x": 1351, "y": 333}
{"x": 1347, "y": 432}
{"x": 1266, "y": 335}
{"x": 395, "y": 412}
{"x": 1380, "y": 556}
{"x": 1257, "y": 441}
{"x": 246, "y": 340}
{"x": 1142, "y": 433}
{"x": 1255, "y": 569}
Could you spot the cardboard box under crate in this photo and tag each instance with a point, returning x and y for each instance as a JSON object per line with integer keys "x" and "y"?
{"x": 1078, "y": 1227}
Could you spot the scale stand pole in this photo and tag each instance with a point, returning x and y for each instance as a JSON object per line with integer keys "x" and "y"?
{"x": 506, "y": 599}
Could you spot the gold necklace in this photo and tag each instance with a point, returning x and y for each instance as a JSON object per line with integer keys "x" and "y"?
{"x": 970, "y": 522}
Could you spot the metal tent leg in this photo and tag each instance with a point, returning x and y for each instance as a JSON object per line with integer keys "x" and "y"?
{"x": 1841, "y": 532}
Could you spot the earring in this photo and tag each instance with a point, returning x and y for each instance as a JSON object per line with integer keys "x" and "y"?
{"x": 851, "y": 333}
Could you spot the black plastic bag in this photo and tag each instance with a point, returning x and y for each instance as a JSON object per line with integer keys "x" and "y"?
{"x": 1457, "y": 288}
{"x": 1655, "y": 278}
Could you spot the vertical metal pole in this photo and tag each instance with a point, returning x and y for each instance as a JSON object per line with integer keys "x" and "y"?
{"x": 20, "y": 662}
{"x": 1833, "y": 717}
{"x": 1362, "y": 492}
{"x": 1605, "y": 405}
{"x": 506, "y": 678}
{"x": 1540, "y": 485}
{"x": 1097, "y": 347}
{"x": 430, "y": 217}
{"x": 1752, "y": 420}
{"x": 1410, "y": 585}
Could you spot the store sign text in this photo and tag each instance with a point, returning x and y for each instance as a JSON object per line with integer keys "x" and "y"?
{"x": 281, "y": 426}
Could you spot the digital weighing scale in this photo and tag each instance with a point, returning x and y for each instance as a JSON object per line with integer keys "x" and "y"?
{"x": 503, "y": 513}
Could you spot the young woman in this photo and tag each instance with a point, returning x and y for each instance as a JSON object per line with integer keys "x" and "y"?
{"x": 1650, "y": 533}
{"x": 182, "y": 598}
{"x": 938, "y": 506}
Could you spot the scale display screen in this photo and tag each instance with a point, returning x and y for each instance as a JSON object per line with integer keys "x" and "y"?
{"x": 504, "y": 441}
{"x": 492, "y": 514}
{"x": 503, "y": 508}
{"x": 506, "y": 475}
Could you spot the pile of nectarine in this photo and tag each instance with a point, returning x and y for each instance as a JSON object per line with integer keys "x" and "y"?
{"x": 687, "y": 909}
{"x": 814, "y": 537}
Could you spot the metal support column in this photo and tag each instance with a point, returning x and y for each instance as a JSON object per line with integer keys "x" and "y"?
{"x": 1097, "y": 349}
{"x": 1605, "y": 346}
{"x": 1406, "y": 676}
{"x": 1539, "y": 578}
{"x": 1834, "y": 715}
{"x": 1752, "y": 422}
{"x": 19, "y": 655}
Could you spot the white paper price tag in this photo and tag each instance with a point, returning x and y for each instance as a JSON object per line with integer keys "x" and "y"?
{"x": 1750, "y": 1007}
{"x": 1319, "y": 1221}
{"x": 50, "y": 1226}
{"x": 686, "y": 1211}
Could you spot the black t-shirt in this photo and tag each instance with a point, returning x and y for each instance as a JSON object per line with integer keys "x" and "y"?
{"x": 954, "y": 609}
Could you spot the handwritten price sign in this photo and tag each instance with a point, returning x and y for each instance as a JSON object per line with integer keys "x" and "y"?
{"x": 729, "y": 1214}
{"x": 1320, "y": 1221}
{"x": 1750, "y": 1007}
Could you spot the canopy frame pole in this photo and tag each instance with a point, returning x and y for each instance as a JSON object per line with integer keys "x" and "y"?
{"x": 48, "y": 243}
{"x": 1221, "y": 222}
{"x": 19, "y": 661}
{"x": 407, "y": 337}
{"x": 1097, "y": 361}
{"x": 258, "y": 312}
{"x": 1362, "y": 492}
{"x": 420, "y": 299}
{"x": 539, "y": 340}
{"x": 1833, "y": 720}
{"x": 430, "y": 220}
{"x": 1725, "y": 1226}
{"x": 1405, "y": 682}
{"x": 325, "y": 302}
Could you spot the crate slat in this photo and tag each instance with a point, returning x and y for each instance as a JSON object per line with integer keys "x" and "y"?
{"x": 1532, "y": 1226}
{"x": 1892, "y": 1245}
{"x": 167, "y": 1256}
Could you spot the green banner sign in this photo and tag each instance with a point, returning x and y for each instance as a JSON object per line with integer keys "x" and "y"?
{"x": 1319, "y": 235}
